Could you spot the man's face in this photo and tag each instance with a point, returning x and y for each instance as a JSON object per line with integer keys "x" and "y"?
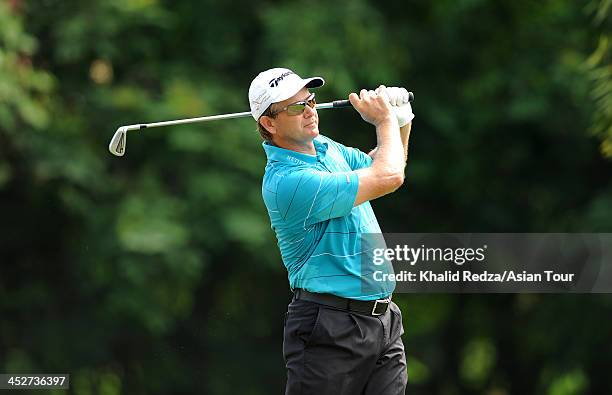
{"x": 295, "y": 129}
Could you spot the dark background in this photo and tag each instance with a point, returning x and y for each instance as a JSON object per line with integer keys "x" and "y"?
{"x": 158, "y": 273}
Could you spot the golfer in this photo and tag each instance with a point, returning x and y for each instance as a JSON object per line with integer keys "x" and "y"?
{"x": 342, "y": 331}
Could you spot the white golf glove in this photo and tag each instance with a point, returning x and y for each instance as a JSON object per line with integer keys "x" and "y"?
{"x": 398, "y": 98}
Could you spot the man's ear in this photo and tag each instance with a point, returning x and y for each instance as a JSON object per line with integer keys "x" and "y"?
{"x": 268, "y": 123}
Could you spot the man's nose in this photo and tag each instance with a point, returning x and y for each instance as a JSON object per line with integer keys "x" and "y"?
{"x": 309, "y": 111}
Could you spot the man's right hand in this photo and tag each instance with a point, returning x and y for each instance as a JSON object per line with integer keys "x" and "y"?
{"x": 373, "y": 107}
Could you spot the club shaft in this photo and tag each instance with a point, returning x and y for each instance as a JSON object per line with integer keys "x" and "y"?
{"x": 321, "y": 106}
{"x": 338, "y": 103}
{"x": 193, "y": 120}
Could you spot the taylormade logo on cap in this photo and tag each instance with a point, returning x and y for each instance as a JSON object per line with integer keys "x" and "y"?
{"x": 276, "y": 85}
{"x": 274, "y": 82}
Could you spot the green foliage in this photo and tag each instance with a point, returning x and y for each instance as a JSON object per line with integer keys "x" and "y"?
{"x": 418, "y": 372}
{"x": 571, "y": 383}
{"x": 599, "y": 70}
{"x": 324, "y": 44}
{"x": 23, "y": 89}
{"x": 477, "y": 362}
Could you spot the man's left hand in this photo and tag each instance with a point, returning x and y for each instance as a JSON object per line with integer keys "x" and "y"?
{"x": 400, "y": 104}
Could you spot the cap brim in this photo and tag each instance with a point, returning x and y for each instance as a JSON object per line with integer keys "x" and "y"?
{"x": 314, "y": 82}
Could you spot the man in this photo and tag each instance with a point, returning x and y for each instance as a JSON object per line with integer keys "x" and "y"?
{"x": 342, "y": 332}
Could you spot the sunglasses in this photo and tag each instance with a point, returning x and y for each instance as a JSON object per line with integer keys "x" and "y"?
{"x": 298, "y": 108}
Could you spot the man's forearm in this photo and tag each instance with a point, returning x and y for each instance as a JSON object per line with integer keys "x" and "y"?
{"x": 390, "y": 156}
{"x": 405, "y": 137}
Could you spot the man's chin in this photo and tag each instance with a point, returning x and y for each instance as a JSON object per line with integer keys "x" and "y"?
{"x": 314, "y": 132}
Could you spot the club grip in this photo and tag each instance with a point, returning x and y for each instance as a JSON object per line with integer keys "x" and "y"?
{"x": 346, "y": 103}
{"x": 341, "y": 103}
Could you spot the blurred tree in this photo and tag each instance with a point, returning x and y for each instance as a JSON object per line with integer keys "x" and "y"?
{"x": 599, "y": 69}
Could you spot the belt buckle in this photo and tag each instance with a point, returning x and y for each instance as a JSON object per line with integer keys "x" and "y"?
{"x": 387, "y": 301}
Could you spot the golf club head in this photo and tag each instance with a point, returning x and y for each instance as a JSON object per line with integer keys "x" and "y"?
{"x": 117, "y": 143}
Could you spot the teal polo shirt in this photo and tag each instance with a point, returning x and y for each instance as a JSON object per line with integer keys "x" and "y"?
{"x": 310, "y": 203}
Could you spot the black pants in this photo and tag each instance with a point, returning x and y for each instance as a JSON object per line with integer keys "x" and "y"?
{"x": 337, "y": 352}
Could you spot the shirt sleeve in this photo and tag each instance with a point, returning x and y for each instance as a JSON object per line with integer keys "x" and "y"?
{"x": 355, "y": 158}
{"x": 310, "y": 196}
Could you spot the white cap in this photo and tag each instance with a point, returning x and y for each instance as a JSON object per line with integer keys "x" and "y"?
{"x": 276, "y": 85}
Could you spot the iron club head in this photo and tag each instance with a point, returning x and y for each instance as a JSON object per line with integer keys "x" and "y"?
{"x": 117, "y": 143}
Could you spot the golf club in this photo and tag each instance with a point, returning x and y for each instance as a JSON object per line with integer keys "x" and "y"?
{"x": 118, "y": 142}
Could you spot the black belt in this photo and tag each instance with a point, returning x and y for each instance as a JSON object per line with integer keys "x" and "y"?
{"x": 371, "y": 307}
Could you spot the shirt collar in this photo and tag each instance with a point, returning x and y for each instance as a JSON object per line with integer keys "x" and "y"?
{"x": 279, "y": 154}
